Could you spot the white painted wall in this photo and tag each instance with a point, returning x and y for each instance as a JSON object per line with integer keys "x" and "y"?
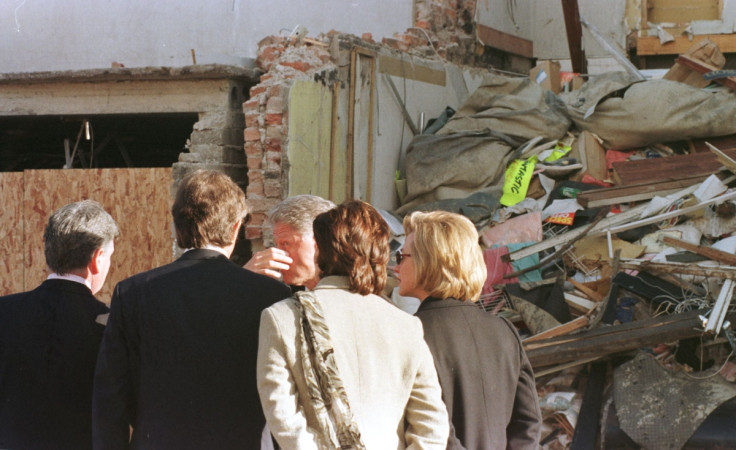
{"x": 44, "y": 35}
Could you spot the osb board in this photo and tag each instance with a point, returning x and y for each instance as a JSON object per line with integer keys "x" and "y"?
{"x": 11, "y": 233}
{"x": 138, "y": 199}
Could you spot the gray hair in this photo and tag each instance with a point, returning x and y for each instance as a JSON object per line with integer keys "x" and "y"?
{"x": 73, "y": 234}
{"x": 299, "y": 212}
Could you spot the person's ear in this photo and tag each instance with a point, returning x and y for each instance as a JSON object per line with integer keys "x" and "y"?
{"x": 236, "y": 229}
{"x": 96, "y": 263}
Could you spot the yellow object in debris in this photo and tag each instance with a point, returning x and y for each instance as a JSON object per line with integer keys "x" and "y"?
{"x": 558, "y": 152}
{"x": 518, "y": 177}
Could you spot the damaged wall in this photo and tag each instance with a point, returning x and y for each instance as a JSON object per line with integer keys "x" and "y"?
{"x": 313, "y": 127}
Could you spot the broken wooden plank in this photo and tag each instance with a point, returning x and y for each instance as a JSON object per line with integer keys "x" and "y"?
{"x": 726, "y": 272}
{"x": 587, "y": 291}
{"x": 614, "y": 339}
{"x": 703, "y": 68}
{"x": 592, "y": 155}
{"x": 710, "y": 253}
{"x": 579, "y": 303}
{"x": 650, "y": 45}
{"x": 560, "y": 330}
{"x": 704, "y": 50}
{"x": 634, "y": 193}
{"x": 723, "y": 158}
{"x": 671, "y": 214}
{"x": 670, "y": 168}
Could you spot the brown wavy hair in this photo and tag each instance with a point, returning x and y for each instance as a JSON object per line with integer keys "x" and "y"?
{"x": 353, "y": 240}
{"x": 206, "y": 206}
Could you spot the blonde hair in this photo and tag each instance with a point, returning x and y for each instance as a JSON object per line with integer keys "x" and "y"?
{"x": 448, "y": 261}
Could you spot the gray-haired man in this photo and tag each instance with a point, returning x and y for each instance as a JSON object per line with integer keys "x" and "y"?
{"x": 50, "y": 336}
{"x": 292, "y": 259}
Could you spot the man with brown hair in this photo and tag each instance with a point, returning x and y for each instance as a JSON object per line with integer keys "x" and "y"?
{"x": 177, "y": 362}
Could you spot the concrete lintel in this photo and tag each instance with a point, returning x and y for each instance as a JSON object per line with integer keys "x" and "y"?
{"x": 195, "y": 72}
{"x": 131, "y": 97}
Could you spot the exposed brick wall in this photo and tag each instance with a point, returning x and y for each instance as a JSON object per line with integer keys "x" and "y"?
{"x": 445, "y": 27}
{"x": 266, "y": 125}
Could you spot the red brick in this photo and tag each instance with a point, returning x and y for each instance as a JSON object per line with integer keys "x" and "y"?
{"x": 265, "y": 77}
{"x": 272, "y": 145}
{"x": 251, "y": 118}
{"x": 301, "y": 66}
{"x": 274, "y": 91}
{"x": 254, "y": 189}
{"x": 273, "y": 132}
{"x": 275, "y": 105}
{"x": 256, "y": 219}
{"x": 274, "y": 119}
{"x": 255, "y": 177}
{"x": 252, "y": 134}
{"x": 254, "y": 163}
{"x": 367, "y": 37}
{"x": 272, "y": 188}
{"x": 273, "y": 161}
{"x": 253, "y": 232}
{"x": 252, "y": 104}
{"x": 422, "y": 24}
{"x": 257, "y": 89}
{"x": 253, "y": 149}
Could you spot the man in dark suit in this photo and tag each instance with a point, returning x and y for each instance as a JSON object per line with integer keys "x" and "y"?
{"x": 177, "y": 362}
{"x": 50, "y": 336}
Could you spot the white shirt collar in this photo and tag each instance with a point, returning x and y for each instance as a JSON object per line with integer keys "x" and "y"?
{"x": 211, "y": 247}
{"x": 70, "y": 277}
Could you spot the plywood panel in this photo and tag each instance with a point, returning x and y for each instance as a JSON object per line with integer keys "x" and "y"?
{"x": 11, "y": 233}
{"x": 138, "y": 199}
{"x": 682, "y": 11}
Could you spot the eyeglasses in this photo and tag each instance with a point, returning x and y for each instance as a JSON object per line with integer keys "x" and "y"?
{"x": 400, "y": 256}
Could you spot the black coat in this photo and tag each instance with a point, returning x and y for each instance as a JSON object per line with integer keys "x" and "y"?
{"x": 487, "y": 381}
{"x": 178, "y": 360}
{"x": 49, "y": 339}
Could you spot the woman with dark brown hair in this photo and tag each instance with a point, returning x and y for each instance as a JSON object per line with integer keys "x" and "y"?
{"x": 339, "y": 366}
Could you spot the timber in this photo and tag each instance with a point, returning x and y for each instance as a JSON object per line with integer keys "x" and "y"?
{"x": 614, "y": 339}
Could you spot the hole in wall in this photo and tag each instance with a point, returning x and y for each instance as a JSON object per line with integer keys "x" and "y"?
{"x": 125, "y": 140}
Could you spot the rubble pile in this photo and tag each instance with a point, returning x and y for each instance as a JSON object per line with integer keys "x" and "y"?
{"x": 607, "y": 214}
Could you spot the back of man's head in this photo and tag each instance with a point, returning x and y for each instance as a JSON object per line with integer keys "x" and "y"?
{"x": 206, "y": 207}
{"x": 299, "y": 212}
{"x": 74, "y": 232}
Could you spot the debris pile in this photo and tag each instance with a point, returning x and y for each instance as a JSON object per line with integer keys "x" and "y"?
{"x": 607, "y": 213}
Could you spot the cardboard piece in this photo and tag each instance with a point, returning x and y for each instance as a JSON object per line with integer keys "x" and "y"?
{"x": 547, "y": 75}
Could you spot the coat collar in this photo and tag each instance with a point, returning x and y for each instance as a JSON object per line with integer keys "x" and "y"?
{"x": 203, "y": 253}
{"x": 333, "y": 282}
{"x": 437, "y": 303}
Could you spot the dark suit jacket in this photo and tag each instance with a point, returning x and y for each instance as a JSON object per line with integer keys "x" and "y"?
{"x": 49, "y": 339}
{"x": 487, "y": 381}
{"x": 178, "y": 359}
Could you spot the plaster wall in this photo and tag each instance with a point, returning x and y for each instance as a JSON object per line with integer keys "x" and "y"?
{"x": 427, "y": 87}
{"x": 85, "y": 34}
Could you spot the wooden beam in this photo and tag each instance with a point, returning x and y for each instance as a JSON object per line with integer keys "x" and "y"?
{"x": 506, "y": 42}
{"x": 650, "y": 45}
{"x": 710, "y": 253}
{"x": 614, "y": 339}
{"x": 574, "y": 36}
{"x": 635, "y": 192}
{"x": 727, "y": 272}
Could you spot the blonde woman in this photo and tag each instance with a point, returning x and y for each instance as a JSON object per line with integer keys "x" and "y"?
{"x": 486, "y": 379}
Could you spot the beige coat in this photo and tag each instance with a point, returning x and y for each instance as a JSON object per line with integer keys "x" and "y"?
{"x": 384, "y": 363}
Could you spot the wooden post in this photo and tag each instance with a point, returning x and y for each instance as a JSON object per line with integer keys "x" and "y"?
{"x": 574, "y": 36}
